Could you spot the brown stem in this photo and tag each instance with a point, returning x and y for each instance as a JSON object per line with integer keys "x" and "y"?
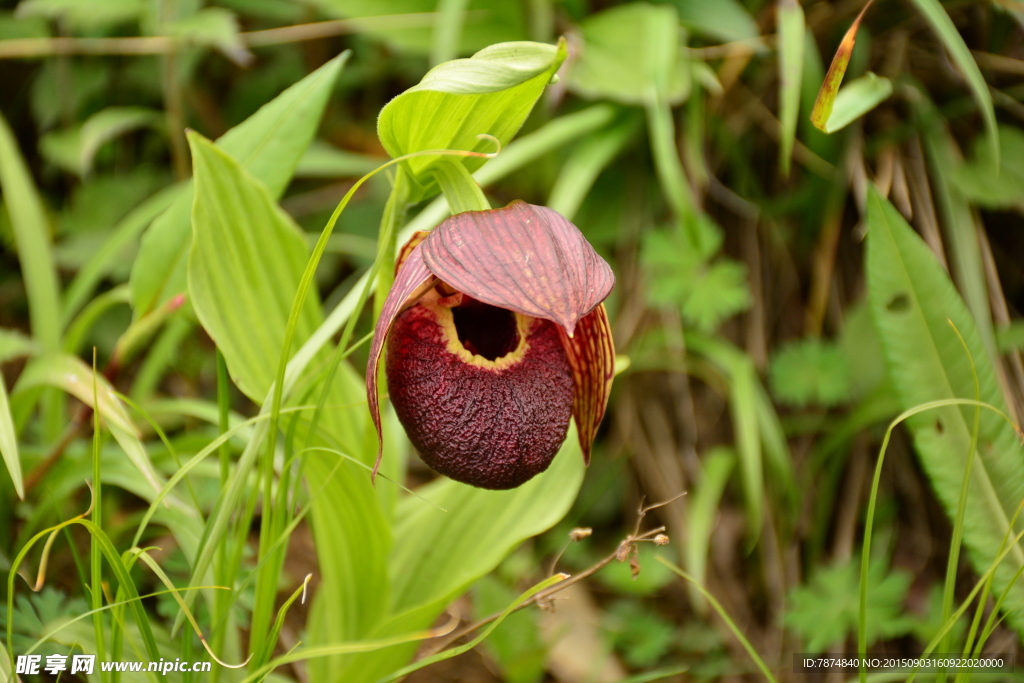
{"x": 158, "y": 45}
{"x": 621, "y": 552}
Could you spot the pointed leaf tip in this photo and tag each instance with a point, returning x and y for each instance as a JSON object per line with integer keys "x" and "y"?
{"x": 524, "y": 258}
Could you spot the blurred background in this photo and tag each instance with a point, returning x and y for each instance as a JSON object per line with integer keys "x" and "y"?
{"x": 758, "y": 384}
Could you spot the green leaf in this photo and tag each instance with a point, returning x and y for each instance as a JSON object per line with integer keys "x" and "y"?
{"x": 1009, "y": 338}
{"x": 107, "y": 257}
{"x": 958, "y": 221}
{"x": 88, "y": 16}
{"x": 822, "y": 109}
{"x": 586, "y": 162}
{"x": 791, "y": 28}
{"x": 452, "y": 550}
{"x": 720, "y": 292}
{"x": 9, "y": 442}
{"x": 726, "y": 20}
{"x": 913, "y": 303}
{"x": 70, "y": 374}
{"x": 74, "y": 149}
{"x": 490, "y": 93}
{"x": 640, "y": 632}
{"x": 515, "y": 645}
{"x": 631, "y": 55}
{"x": 824, "y": 610}
{"x": 14, "y": 344}
{"x": 857, "y": 98}
{"x": 717, "y": 467}
{"x": 246, "y": 260}
{"x": 487, "y": 22}
{"x": 947, "y": 32}
{"x": 214, "y": 27}
{"x": 810, "y": 372}
{"x": 747, "y": 417}
{"x": 32, "y": 234}
{"x": 994, "y": 183}
{"x": 268, "y": 145}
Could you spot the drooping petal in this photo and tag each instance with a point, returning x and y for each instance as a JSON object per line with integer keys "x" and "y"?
{"x": 407, "y": 248}
{"x": 525, "y": 258}
{"x": 591, "y": 354}
{"x": 412, "y": 281}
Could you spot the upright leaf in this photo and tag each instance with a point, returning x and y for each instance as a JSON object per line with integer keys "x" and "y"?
{"x": 32, "y": 234}
{"x": 9, "y": 442}
{"x": 790, "y": 22}
{"x": 246, "y": 259}
{"x": 491, "y": 93}
{"x": 913, "y": 302}
{"x": 961, "y": 55}
{"x": 834, "y": 78}
{"x": 631, "y": 54}
{"x": 268, "y": 145}
{"x": 726, "y": 20}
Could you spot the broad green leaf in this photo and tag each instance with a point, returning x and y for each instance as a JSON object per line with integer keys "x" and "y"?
{"x": 586, "y": 162}
{"x": 791, "y": 41}
{"x": 631, "y": 55}
{"x": 77, "y": 15}
{"x": 810, "y": 372}
{"x": 822, "y": 109}
{"x": 824, "y": 610}
{"x": 409, "y": 25}
{"x": 943, "y": 26}
{"x": 522, "y": 151}
{"x": 726, "y": 20}
{"x": 452, "y": 550}
{"x": 959, "y": 225}
{"x": 857, "y": 98}
{"x": 74, "y": 149}
{"x": 913, "y": 303}
{"x": 992, "y": 183}
{"x": 246, "y": 259}
{"x": 32, "y": 235}
{"x": 490, "y": 93}
{"x": 9, "y": 442}
{"x": 717, "y": 467}
{"x": 268, "y": 145}
{"x": 214, "y": 27}
{"x": 122, "y": 235}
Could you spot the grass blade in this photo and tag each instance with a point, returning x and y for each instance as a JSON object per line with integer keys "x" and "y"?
{"x": 947, "y": 32}
{"x": 791, "y": 41}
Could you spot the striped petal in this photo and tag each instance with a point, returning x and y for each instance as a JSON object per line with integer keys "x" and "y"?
{"x": 525, "y": 258}
{"x": 591, "y": 353}
{"x": 412, "y": 281}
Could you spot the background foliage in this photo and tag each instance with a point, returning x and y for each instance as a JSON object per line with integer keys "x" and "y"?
{"x": 785, "y": 289}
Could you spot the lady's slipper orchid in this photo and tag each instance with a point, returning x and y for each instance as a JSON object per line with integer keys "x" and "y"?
{"x": 496, "y": 336}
